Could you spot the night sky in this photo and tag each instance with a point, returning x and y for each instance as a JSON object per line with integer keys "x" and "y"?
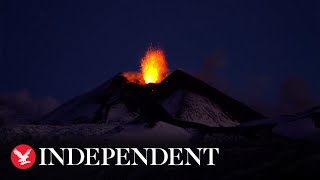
{"x": 64, "y": 48}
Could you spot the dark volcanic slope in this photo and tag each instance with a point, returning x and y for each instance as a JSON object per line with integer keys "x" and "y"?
{"x": 181, "y": 80}
{"x": 179, "y": 97}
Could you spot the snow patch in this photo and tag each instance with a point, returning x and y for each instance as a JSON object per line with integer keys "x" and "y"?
{"x": 187, "y": 106}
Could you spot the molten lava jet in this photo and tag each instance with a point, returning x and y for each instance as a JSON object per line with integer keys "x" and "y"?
{"x": 153, "y": 68}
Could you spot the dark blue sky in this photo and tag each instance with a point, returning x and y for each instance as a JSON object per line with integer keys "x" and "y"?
{"x": 63, "y": 48}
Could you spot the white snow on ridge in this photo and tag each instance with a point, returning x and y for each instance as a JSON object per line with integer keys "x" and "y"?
{"x": 188, "y": 106}
{"x": 298, "y": 126}
{"x": 303, "y": 128}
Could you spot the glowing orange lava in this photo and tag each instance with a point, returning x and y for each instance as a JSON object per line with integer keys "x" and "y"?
{"x": 154, "y": 66}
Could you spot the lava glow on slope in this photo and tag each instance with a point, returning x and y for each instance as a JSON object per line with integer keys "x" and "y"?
{"x": 153, "y": 68}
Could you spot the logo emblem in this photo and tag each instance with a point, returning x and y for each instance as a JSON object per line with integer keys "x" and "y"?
{"x": 23, "y": 156}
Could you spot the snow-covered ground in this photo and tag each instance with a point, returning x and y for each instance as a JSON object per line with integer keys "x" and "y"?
{"x": 115, "y": 111}
{"x": 297, "y": 126}
{"x": 160, "y": 133}
{"x": 187, "y": 106}
{"x": 80, "y": 108}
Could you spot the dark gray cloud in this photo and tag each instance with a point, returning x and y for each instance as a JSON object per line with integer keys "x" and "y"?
{"x": 208, "y": 70}
{"x": 293, "y": 95}
{"x": 21, "y": 107}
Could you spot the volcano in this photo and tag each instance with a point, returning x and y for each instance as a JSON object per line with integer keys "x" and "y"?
{"x": 179, "y": 111}
{"x": 179, "y": 99}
